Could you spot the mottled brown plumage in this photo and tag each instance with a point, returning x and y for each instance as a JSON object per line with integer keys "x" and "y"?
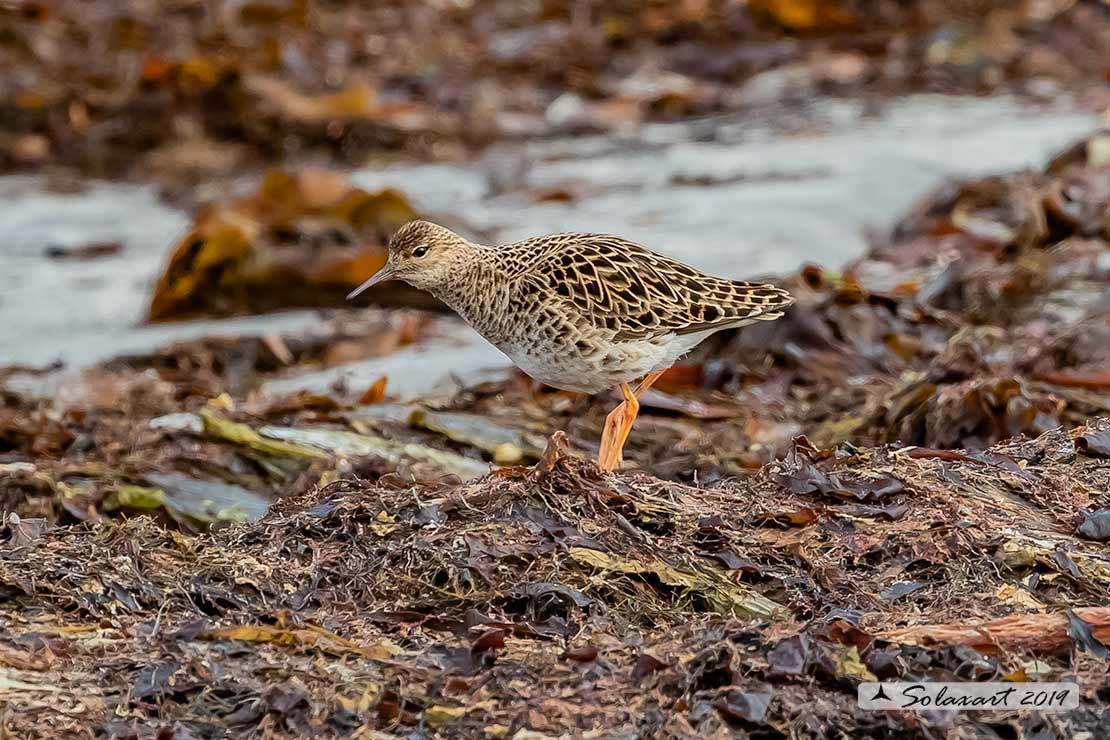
{"x": 582, "y": 312}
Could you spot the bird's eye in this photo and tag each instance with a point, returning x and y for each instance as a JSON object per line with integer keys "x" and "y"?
{"x": 420, "y": 251}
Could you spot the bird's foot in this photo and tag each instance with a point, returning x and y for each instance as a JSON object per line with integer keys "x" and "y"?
{"x": 618, "y": 424}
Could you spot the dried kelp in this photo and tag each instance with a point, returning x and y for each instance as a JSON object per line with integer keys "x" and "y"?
{"x": 560, "y": 600}
{"x": 301, "y": 240}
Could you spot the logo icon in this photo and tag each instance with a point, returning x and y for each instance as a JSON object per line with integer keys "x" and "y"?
{"x": 880, "y": 694}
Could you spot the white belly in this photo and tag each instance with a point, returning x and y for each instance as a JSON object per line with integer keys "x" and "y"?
{"x": 601, "y": 369}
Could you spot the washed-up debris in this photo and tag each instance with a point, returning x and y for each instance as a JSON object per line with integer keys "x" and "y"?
{"x": 1039, "y": 633}
{"x": 189, "y": 501}
{"x": 506, "y": 445}
{"x": 301, "y": 240}
{"x": 361, "y": 445}
{"x": 721, "y": 596}
{"x": 315, "y": 443}
{"x": 1096, "y": 444}
{"x": 359, "y": 608}
{"x": 1096, "y": 525}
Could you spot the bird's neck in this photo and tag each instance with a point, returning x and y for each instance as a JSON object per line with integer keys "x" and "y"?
{"x": 476, "y": 290}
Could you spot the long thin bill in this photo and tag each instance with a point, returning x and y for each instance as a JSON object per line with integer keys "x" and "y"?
{"x": 386, "y": 273}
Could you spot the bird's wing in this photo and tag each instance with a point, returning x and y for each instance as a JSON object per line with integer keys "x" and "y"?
{"x": 636, "y": 293}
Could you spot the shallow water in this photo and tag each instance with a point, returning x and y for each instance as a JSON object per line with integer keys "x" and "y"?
{"x": 771, "y": 193}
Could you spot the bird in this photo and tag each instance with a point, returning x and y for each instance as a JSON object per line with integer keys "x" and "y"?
{"x": 582, "y": 312}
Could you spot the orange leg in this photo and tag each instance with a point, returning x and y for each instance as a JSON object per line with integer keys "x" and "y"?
{"x": 619, "y": 423}
{"x": 648, "y": 382}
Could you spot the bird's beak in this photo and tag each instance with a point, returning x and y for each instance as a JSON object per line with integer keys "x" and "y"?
{"x": 386, "y": 273}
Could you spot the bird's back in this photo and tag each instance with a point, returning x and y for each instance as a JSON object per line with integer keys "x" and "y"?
{"x": 625, "y": 290}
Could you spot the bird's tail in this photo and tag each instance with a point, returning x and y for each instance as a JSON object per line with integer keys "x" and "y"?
{"x": 763, "y": 301}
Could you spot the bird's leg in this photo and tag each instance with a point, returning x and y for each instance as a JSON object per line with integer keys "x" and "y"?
{"x": 617, "y": 426}
{"x": 648, "y": 382}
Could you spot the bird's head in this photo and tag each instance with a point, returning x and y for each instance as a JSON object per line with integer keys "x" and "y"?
{"x": 424, "y": 255}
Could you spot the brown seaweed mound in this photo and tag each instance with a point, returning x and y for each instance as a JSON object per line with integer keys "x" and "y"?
{"x": 557, "y": 600}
